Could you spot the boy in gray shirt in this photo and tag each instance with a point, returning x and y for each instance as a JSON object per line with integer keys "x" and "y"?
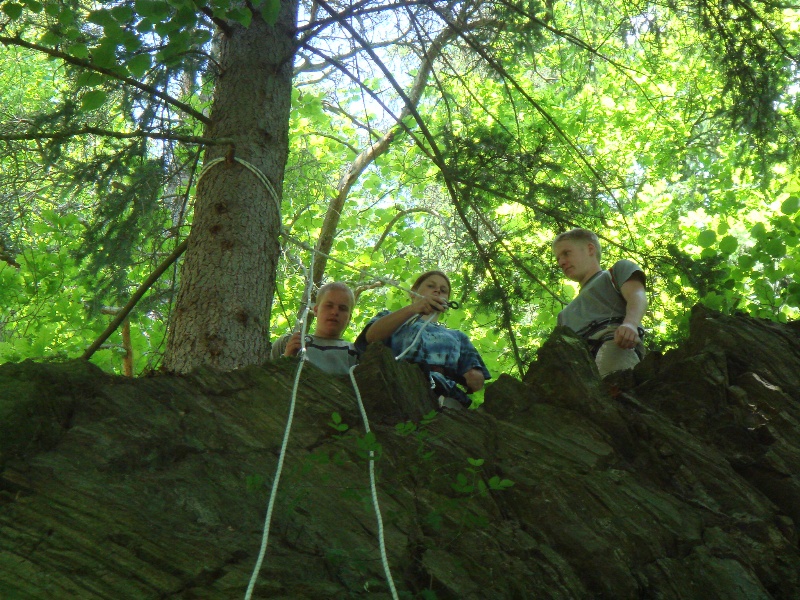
{"x": 609, "y": 308}
{"x": 325, "y": 348}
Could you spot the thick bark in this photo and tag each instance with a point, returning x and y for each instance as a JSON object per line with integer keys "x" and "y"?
{"x": 228, "y": 278}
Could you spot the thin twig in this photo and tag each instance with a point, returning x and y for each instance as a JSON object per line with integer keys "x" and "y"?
{"x": 123, "y": 313}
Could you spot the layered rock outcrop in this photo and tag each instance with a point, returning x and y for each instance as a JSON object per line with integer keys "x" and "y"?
{"x": 677, "y": 480}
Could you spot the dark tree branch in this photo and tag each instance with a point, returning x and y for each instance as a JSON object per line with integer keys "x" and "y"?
{"x": 313, "y": 28}
{"x": 187, "y": 139}
{"x": 344, "y": 143}
{"x": 124, "y": 311}
{"x": 308, "y": 67}
{"x": 222, "y": 24}
{"x": 396, "y": 218}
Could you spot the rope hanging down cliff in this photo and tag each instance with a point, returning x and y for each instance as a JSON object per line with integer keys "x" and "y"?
{"x": 301, "y": 325}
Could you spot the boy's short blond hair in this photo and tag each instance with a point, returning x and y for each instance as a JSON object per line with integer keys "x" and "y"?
{"x": 580, "y": 235}
{"x": 336, "y": 285}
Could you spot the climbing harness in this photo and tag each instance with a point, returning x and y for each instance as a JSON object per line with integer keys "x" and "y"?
{"x": 604, "y": 328}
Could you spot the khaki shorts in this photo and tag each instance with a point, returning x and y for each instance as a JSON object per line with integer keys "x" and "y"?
{"x": 610, "y": 357}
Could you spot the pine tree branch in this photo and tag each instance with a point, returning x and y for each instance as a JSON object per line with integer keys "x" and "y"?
{"x": 222, "y": 24}
{"x": 85, "y": 64}
{"x": 500, "y": 70}
{"x": 186, "y": 139}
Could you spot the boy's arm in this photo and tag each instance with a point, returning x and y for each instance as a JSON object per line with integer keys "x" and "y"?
{"x": 388, "y": 324}
{"x": 474, "y": 378}
{"x": 635, "y": 296}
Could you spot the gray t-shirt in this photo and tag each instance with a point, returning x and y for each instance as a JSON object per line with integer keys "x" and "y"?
{"x": 332, "y": 356}
{"x": 600, "y": 298}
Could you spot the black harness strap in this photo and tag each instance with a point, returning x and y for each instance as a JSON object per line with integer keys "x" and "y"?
{"x": 595, "y": 343}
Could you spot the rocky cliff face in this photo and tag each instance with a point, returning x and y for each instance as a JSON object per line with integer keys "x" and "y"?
{"x": 678, "y": 480}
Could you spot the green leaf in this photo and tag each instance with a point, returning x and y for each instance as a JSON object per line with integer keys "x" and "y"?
{"x": 113, "y": 33}
{"x": 496, "y": 483}
{"x": 790, "y": 205}
{"x": 185, "y": 18}
{"x": 475, "y": 462}
{"x": 66, "y": 18}
{"x": 101, "y": 17}
{"x": 152, "y": 9}
{"x": 131, "y": 42}
{"x": 89, "y": 79}
{"x": 758, "y": 231}
{"x": 13, "y": 10}
{"x": 405, "y": 428}
{"x": 144, "y": 26}
{"x": 164, "y": 28}
{"x": 706, "y": 238}
{"x": 241, "y": 15}
{"x": 79, "y": 51}
{"x": 728, "y": 244}
{"x": 105, "y": 55}
{"x": 122, "y": 13}
{"x": 34, "y": 6}
{"x": 139, "y": 65}
{"x": 271, "y": 10}
{"x": 93, "y": 99}
{"x": 49, "y": 39}
{"x": 775, "y": 248}
{"x": 336, "y": 423}
{"x": 746, "y": 262}
{"x": 71, "y": 33}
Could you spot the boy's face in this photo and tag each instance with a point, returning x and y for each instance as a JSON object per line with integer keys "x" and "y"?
{"x": 333, "y": 314}
{"x": 434, "y": 285}
{"x": 577, "y": 259}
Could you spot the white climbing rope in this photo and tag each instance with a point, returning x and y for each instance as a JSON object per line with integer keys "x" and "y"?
{"x": 271, "y": 189}
{"x": 374, "y": 491}
{"x": 416, "y": 337}
{"x": 250, "y": 167}
{"x": 302, "y": 322}
{"x": 301, "y": 325}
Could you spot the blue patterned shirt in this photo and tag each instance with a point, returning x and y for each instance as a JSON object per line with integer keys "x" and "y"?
{"x": 437, "y": 346}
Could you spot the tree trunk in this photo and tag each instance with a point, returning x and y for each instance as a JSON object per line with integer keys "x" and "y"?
{"x": 222, "y": 313}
